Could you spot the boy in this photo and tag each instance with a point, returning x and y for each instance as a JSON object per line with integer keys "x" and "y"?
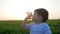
{"x": 38, "y": 25}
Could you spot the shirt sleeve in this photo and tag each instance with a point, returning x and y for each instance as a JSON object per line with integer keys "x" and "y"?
{"x": 28, "y": 25}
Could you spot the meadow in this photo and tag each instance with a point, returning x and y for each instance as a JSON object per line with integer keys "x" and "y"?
{"x": 14, "y": 27}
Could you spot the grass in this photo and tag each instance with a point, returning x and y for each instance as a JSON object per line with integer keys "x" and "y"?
{"x": 14, "y": 27}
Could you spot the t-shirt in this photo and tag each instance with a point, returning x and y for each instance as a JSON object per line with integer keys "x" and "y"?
{"x": 41, "y": 28}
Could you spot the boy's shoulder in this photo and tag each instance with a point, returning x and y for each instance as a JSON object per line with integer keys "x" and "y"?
{"x": 44, "y": 24}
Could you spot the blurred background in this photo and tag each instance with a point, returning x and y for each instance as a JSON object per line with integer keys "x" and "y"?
{"x": 16, "y": 9}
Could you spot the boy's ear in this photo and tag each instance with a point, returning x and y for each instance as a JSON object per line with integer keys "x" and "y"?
{"x": 41, "y": 16}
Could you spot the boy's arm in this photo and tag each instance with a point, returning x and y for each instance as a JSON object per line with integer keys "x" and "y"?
{"x": 24, "y": 23}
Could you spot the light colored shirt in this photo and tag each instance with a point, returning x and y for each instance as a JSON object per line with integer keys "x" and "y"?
{"x": 41, "y": 28}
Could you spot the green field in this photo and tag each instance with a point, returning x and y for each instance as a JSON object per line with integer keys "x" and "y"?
{"x": 14, "y": 27}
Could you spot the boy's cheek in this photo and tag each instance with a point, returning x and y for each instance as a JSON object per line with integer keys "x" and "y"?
{"x": 33, "y": 19}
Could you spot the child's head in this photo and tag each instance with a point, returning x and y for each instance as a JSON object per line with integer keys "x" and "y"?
{"x": 40, "y": 15}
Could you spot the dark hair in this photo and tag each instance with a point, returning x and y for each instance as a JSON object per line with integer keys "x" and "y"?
{"x": 43, "y": 12}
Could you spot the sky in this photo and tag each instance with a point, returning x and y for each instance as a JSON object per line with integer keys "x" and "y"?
{"x": 16, "y": 9}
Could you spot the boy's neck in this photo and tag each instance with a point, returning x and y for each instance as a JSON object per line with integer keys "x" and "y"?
{"x": 38, "y": 22}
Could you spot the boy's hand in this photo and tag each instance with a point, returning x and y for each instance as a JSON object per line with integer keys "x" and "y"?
{"x": 29, "y": 15}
